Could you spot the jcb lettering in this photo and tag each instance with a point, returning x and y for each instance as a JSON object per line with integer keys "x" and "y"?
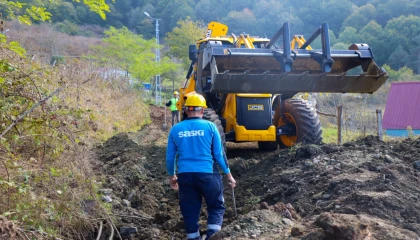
{"x": 256, "y": 107}
{"x": 208, "y": 34}
{"x": 193, "y": 133}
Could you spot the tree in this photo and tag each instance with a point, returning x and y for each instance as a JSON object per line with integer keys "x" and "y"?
{"x": 398, "y": 58}
{"x": 129, "y": 52}
{"x": 340, "y": 46}
{"x": 413, "y": 60}
{"x": 271, "y": 14}
{"x": 26, "y": 13}
{"x": 62, "y": 11}
{"x": 405, "y": 29}
{"x": 241, "y": 21}
{"x": 171, "y": 11}
{"x": 185, "y": 33}
{"x": 359, "y": 18}
{"x": 349, "y": 36}
{"x": 203, "y": 10}
{"x": 313, "y": 13}
{"x": 402, "y": 74}
{"x": 394, "y": 8}
{"x": 398, "y": 31}
{"x": 371, "y": 30}
{"x": 374, "y": 35}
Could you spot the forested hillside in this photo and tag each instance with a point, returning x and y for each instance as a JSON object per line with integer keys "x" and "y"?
{"x": 390, "y": 27}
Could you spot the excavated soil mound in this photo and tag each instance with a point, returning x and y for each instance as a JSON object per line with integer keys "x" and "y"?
{"x": 365, "y": 179}
{"x": 366, "y": 189}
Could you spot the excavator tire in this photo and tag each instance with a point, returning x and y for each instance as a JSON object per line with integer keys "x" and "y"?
{"x": 211, "y": 115}
{"x": 301, "y": 115}
{"x": 268, "y": 146}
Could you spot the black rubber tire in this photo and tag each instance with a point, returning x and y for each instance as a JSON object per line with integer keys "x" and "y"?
{"x": 211, "y": 115}
{"x": 308, "y": 126}
{"x": 268, "y": 146}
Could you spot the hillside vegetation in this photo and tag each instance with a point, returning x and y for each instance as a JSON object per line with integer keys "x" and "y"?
{"x": 390, "y": 27}
{"x": 50, "y": 118}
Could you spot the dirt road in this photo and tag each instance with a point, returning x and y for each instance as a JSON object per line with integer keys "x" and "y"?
{"x": 365, "y": 189}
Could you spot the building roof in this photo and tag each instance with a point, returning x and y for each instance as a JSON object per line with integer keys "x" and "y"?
{"x": 402, "y": 106}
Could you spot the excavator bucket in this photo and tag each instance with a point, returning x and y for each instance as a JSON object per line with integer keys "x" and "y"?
{"x": 286, "y": 70}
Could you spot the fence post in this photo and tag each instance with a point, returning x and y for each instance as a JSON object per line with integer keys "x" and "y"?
{"x": 339, "y": 124}
{"x": 379, "y": 123}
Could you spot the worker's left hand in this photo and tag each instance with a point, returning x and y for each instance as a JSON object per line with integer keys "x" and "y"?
{"x": 173, "y": 181}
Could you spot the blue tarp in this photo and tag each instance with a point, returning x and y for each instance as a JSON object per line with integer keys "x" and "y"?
{"x": 400, "y": 132}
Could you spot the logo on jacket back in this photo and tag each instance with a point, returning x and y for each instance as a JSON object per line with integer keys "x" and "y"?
{"x": 193, "y": 133}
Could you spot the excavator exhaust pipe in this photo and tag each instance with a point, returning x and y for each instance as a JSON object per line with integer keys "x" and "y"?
{"x": 286, "y": 70}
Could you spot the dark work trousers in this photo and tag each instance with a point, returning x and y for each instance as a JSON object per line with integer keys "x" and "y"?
{"x": 192, "y": 188}
{"x": 175, "y": 114}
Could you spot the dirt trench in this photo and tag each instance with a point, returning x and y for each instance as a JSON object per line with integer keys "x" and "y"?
{"x": 366, "y": 189}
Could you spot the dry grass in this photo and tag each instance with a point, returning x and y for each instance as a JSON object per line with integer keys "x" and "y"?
{"x": 47, "y": 186}
{"x": 111, "y": 104}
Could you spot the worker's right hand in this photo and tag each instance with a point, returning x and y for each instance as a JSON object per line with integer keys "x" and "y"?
{"x": 173, "y": 181}
{"x": 231, "y": 180}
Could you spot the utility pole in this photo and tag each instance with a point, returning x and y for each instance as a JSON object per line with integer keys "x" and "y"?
{"x": 158, "y": 87}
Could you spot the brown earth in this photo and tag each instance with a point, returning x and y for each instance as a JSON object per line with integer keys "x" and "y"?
{"x": 366, "y": 189}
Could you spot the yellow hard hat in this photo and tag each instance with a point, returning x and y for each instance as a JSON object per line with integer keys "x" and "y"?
{"x": 195, "y": 100}
{"x": 176, "y": 93}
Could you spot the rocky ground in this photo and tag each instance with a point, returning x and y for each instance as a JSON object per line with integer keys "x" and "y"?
{"x": 366, "y": 189}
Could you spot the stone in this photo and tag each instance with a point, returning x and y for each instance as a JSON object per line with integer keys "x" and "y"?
{"x": 388, "y": 159}
{"x": 254, "y": 219}
{"x": 105, "y": 191}
{"x": 377, "y": 168}
{"x": 126, "y": 203}
{"x": 308, "y": 164}
{"x": 287, "y": 221}
{"x": 341, "y": 226}
{"x": 264, "y": 205}
{"x": 416, "y": 165}
{"x": 237, "y": 227}
{"x": 297, "y": 231}
{"x": 326, "y": 196}
{"x": 130, "y": 197}
{"x": 307, "y": 152}
{"x": 127, "y": 231}
{"x": 106, "y": 199}
{"x": 253, "y": 236}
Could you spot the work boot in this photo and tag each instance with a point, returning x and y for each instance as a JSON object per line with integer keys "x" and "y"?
{"x": 197, "y": 238}
{"x": 209, "y": 233}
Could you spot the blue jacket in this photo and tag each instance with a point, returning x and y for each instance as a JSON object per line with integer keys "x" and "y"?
{"x": 198, "y": 145}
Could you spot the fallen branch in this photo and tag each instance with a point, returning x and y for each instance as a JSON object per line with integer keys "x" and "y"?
{"x": 100, "y": 231}
{"x": 137, "y": 217}
{"x": 29, "y": 111}
{"x": 8, "y": 180}
{"x": 112, "y": 230}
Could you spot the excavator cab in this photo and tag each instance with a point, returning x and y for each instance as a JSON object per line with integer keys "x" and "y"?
{"x": 249, "y": 82}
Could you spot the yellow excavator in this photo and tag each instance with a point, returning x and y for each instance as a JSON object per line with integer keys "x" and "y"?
{"x": 249, "y": 83}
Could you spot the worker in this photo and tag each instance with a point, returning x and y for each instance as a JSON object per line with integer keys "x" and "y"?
{"x": 198, "y": 145}
{"x": 172, "y": 106}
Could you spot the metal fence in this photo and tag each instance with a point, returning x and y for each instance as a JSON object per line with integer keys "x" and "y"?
{"x": 348, "y": 124}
